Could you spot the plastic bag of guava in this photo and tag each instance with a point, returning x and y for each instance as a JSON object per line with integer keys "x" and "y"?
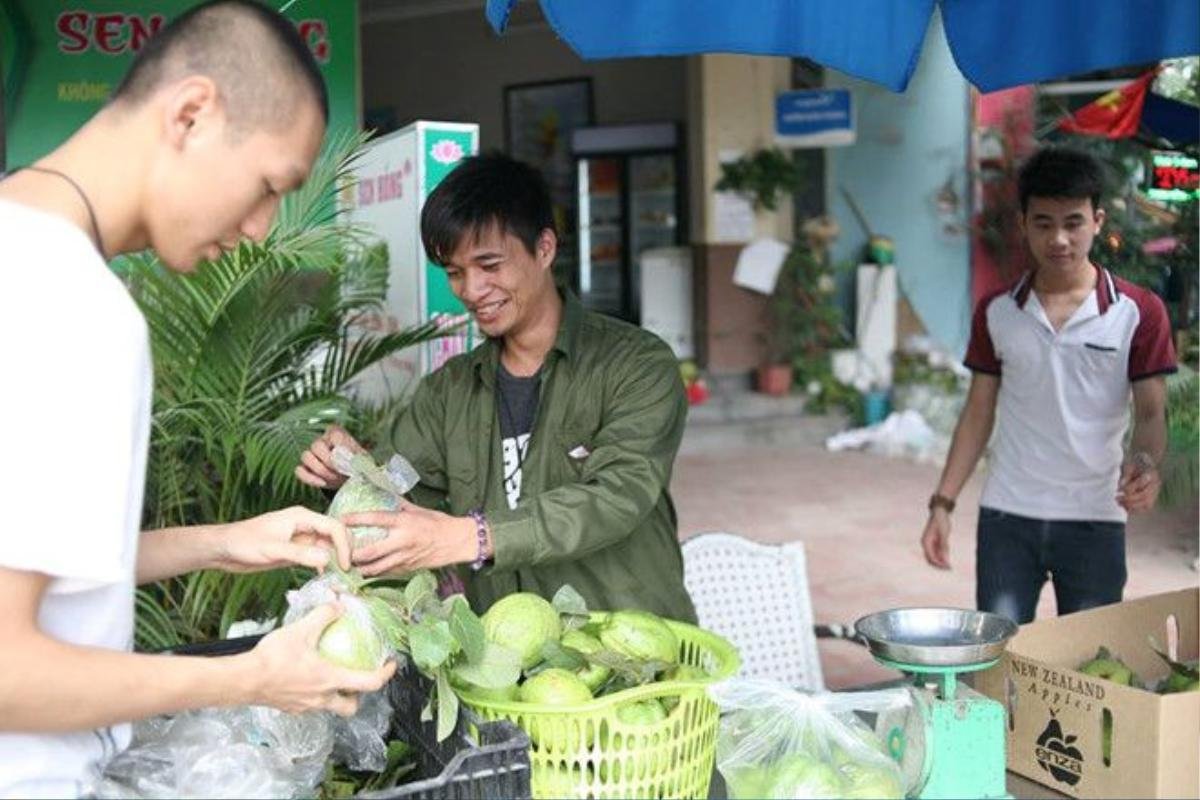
{"x": 358, "y": 639}
{"x": 370, "y": 487}
{"x": 776, "y": 742}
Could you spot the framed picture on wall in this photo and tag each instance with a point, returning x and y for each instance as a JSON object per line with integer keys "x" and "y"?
{"x": 538, "y": 120}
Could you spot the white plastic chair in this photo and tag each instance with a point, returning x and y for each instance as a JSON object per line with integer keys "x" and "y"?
{"x": 756, "y": 596}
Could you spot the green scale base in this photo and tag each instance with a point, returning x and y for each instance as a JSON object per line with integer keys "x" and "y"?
{"x": 964, "y": 751}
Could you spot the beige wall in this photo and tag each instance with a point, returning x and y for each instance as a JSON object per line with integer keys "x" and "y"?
{"x": 731, "y": 107}
{"x": 453, "y": 67}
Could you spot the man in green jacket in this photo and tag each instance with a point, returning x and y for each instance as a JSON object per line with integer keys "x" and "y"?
{"x": 545, "y": 454}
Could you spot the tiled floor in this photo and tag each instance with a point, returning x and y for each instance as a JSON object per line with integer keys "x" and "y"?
{"x": 860, "y": 518}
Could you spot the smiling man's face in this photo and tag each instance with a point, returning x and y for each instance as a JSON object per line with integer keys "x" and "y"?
{"x": 499, "y": 281}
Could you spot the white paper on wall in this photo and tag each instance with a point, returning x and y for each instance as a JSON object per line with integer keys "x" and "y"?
{"x": 759, "y": 264}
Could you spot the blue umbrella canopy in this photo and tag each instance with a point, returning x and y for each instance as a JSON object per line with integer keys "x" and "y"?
{"x": 996, "y": 43}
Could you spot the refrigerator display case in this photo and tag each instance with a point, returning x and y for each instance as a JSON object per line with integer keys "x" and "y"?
{"x": 630, "y": 199}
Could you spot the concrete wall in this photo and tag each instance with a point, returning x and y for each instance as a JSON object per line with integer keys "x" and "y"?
{"x": 453, "y": 67}
{"x": 731, "y": 108}
{"x": 908, "y": 146}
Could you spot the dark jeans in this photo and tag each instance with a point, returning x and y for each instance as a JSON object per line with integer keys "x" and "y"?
{"x": 1015, "y": 555}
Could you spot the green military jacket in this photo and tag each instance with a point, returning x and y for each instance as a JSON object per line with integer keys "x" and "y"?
{"x": 594, "y": 512}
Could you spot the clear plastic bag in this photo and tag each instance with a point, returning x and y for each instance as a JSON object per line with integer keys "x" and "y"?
{"x": 254, "y": 751}
{"x": 776, "y": 742}
{"x": 356, "y": 626}
{"x": 370, "y": 487}
{"x": 246, "y": 751}
{"x": 359, "y": 741}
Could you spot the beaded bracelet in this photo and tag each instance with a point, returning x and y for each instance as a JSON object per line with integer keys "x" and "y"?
{"x": 481, "y": 531}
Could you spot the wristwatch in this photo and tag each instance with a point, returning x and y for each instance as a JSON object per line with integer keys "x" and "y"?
{"x": 941, "y": 501}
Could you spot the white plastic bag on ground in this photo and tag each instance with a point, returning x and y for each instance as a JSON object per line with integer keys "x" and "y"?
{"x": 776, "y": 742}
{"x": 903, "y": 433}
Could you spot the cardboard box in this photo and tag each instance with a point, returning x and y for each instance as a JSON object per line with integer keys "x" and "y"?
{"x": 1056, "y": 714}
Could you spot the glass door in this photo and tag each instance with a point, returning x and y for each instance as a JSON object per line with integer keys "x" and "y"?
{"x": 602, "y": 276}
{"x": 653, "y": 209}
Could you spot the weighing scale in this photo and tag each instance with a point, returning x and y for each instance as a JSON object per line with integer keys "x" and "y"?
{"x": 950, "y": 743}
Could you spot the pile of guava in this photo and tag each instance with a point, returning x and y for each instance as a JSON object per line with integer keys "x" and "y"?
{"x": 569, "y": 657}
{"x": 776, "y": 742}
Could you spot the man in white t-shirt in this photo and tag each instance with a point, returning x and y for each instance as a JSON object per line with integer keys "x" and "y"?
{"x": 1055, "y": 359}
{"x": 222, "y": 113}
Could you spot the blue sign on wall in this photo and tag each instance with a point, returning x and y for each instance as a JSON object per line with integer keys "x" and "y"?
{"x": 814, "y": 118}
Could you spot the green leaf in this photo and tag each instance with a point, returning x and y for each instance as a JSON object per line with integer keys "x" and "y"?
{"x": 571, "y": 607}
{"x": 555, "y": 655}
{"x": 635, "y": 672}
{"x": 420, "y": 587}
{"x": 430, "y": 643}
{"x": 467, "y": 629}
{"x": 389, "y": 621}
{"x": 499, "y": 668}
{"x": 447, "y": 713}
{"x": 393, "y": 596}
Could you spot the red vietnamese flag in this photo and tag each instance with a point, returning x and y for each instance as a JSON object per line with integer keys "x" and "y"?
{"x": 1116, "y": 115}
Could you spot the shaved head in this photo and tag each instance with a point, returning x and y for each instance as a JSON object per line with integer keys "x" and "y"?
{"x": 261, "y": 67}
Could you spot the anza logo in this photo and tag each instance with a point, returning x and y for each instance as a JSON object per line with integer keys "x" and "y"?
{"x": 1056, "y": 754}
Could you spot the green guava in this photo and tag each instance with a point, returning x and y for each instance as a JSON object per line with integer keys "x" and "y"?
{"x": 800, "y": 775}
{"x": 522, "y": 622}
{"x": 554, "y": 687}
{"x": 748, "y": 783}
{"x": 639, "y": 635}
{"x": 352, "y": 642}
{"x": 594, "y": 675}
{"x": 356, "y": 496}
{"x": 868, "y": 780}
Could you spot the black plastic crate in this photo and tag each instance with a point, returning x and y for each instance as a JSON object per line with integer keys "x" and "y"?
{"x": 486, "y": 760}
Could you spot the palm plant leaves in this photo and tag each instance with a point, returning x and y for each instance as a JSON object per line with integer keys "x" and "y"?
{"x": 254, "y": 356}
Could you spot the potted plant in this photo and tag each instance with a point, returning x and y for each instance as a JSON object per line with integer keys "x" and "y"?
{"x": 805, "y": 320}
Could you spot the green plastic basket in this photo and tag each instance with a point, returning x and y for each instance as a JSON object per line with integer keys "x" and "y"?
{"x": 586, "y": 751}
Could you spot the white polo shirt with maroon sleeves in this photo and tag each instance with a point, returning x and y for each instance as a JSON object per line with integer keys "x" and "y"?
{"x": 1063, "y": 404}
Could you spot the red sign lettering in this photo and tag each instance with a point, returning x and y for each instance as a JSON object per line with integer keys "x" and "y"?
{"x": 116, "y": 33}
{"x": 315, "y": 34}
{"x": 1175, "y": 178}
{"x": 140, "y": 30}
{"x": 112, "y": 34}
{"x": 72, "y": 30}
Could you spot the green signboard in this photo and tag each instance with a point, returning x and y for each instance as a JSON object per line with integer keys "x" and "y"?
{"x": 1173, "y": 177}
{"x": 60, "y": 60}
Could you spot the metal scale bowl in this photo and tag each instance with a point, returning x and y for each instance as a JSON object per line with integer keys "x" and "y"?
{"x": 951, "y": 742}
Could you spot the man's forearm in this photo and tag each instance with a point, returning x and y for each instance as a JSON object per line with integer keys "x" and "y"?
{"x": 46, "y": 685}
{"x": 970, "y": 438}
{"x": 1149, "y": 418}
{"x": 1149, "y": 436}
{"x": 167, "y": 552}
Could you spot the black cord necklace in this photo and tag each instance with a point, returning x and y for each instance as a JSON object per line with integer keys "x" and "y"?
{"x": 82, "y": 196}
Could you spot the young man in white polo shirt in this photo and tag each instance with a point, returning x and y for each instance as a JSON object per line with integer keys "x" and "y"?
{"x": 223, "y": 112}
{"x": 1055, "y": 358}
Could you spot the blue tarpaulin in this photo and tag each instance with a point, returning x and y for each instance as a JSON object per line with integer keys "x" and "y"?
{"x": 996, "y": 43}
